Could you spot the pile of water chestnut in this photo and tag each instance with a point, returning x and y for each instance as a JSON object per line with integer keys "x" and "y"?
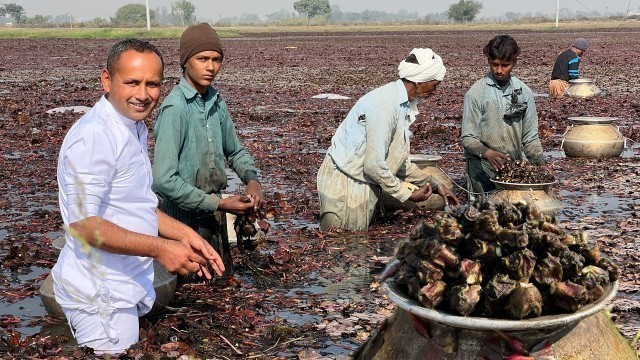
{"x": 501, "y": 260}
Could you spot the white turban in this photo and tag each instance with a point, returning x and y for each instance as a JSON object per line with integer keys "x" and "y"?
{"x": 429, "y": 67}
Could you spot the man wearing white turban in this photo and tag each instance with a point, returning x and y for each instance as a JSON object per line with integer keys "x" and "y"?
{"x": 369, "y": 152}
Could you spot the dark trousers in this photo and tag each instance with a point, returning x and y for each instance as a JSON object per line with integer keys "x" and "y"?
{"x": 212, "y": 226}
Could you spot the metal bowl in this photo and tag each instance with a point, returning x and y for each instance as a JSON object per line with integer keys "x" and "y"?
{"x": 482, "y": 323}
{"x": 415, "y": 158}
{"x": 581, "y": 81}
{"x": 591, "y": 120}
{"x": 520, "y": 186}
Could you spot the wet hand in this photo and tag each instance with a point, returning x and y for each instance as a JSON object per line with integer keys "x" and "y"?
{"x": 178, "y": 258}
{"x": 421, "y": 194}
{"x": 496, "y": 159}
{"x": 254, "y": 190}
{"x": 237, "y": 204}
{"x": 202, "y": 248}
{"x": 449, "y": 197}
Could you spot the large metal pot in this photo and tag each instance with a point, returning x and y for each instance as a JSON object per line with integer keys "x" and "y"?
{"x": 592, "y": 137}
{"x": 163, "y": 283}
{"x": 537, "y": 194}
{"x": 582, "y": 88}
{"x": 585, "y": 334}
{"x": 429, "y": 164}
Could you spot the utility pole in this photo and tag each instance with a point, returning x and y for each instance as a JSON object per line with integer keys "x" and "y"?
{"x": 557, "y": 11}
{"x": 149, "y": 17}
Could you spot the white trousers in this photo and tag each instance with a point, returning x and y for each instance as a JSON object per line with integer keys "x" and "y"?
{"x": 105, "y": 334}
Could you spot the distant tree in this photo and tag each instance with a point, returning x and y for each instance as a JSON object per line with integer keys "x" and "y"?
{"x": 510, "y": 15}
{"x": 464, "y": 10}
{"x": 249, "y": 19}
{"x": 183, "y": 12}
{"x": 164, "y": 17}
{"x": 336, "y": 14}
{"x": 36, "y": 21}
{"x": 99, "y": 23}
{"x": 313, "y": 8}
{"x": 278, "y": 16}
{"x": 15, "y": 11}
{"x": 132, "y": 15}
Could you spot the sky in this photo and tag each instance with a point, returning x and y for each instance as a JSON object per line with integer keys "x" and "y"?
{"x": 213, "y": 9}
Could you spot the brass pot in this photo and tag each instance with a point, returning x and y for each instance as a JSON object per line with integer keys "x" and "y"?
{"x": 537, "y": 194}
{"x": 592, "y": 137}
{"x": 582, "y": 88}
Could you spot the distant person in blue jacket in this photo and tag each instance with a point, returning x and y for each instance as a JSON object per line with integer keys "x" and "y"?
{"x": 566, "y": 67}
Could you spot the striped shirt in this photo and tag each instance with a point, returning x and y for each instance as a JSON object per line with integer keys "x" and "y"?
{"x": 566, "y": 66}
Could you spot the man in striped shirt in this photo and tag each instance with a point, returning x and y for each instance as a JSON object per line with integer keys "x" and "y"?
{"x": 566, "y": 67}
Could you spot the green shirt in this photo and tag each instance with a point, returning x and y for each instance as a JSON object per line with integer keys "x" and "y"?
{"x": 194, "y": 134}
{"x": 484, "y": 126}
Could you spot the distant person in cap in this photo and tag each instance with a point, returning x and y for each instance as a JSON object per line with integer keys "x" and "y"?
{"x": 566, "y": 67}
{"x": 194, "y": 138}
{"x": 369, "y": 152}
{"x": 499, "y": 118}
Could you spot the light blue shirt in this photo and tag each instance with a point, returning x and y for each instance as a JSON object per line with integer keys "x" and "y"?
{"x": 363, "y": 144}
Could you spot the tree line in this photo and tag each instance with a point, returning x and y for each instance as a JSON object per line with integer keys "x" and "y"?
{"x": 182, "y": 13}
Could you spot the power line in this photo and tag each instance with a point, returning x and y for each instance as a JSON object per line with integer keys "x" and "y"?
{"x": 586, "y": 8}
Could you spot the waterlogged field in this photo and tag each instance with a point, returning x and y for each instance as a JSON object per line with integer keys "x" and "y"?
{"x": 305, "y": 293}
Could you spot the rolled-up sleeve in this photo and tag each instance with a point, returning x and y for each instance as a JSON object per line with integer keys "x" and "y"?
{"x": 379, "y": 132}
{"x": 89, "y": 164}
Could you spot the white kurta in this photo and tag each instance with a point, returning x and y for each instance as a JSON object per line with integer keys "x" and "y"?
{"x": 369, "y": 153}
{"x": 104, "y": 171}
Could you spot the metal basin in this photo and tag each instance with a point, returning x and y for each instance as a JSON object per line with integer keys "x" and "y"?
{"x": 423, "y": 160}
{"x": 445, "y": 336}
{"x": 490, "y": 324}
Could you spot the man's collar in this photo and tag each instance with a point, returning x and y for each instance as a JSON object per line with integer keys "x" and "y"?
{"x": 112, "y": 110}
{"x": 190, "y": 92}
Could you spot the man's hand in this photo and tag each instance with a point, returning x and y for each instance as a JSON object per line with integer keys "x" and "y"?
{"x": 178, "y": 258}
{"x": 448, "y": 196}
{"x": 254, "y": 190}
{"x": 421, "y": 194}
{"x": 202, "y": 248}
{"x": 496, "y": 159}
{"x": 237, "y": 204}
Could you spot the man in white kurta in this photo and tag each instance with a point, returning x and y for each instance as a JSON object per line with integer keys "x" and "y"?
{"x": 103, "y": 279}
{"x": 369, "y": 152}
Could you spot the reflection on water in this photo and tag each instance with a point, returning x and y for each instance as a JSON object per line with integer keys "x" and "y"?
{"x": 28, "y": 309}
{"x": 594, "y": 205}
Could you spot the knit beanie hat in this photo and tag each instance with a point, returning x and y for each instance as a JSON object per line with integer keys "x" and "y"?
{"x": 580, "y": 43}
{"x": 198, "y": 38}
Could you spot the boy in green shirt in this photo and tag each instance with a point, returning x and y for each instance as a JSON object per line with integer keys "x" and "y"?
{"x": 194, "y": 135}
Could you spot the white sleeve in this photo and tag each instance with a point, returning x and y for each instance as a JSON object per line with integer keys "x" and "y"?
{"x": 89, "y": 165}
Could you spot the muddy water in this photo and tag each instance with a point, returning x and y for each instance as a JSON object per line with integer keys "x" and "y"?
{"x": 344, "y": 283}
